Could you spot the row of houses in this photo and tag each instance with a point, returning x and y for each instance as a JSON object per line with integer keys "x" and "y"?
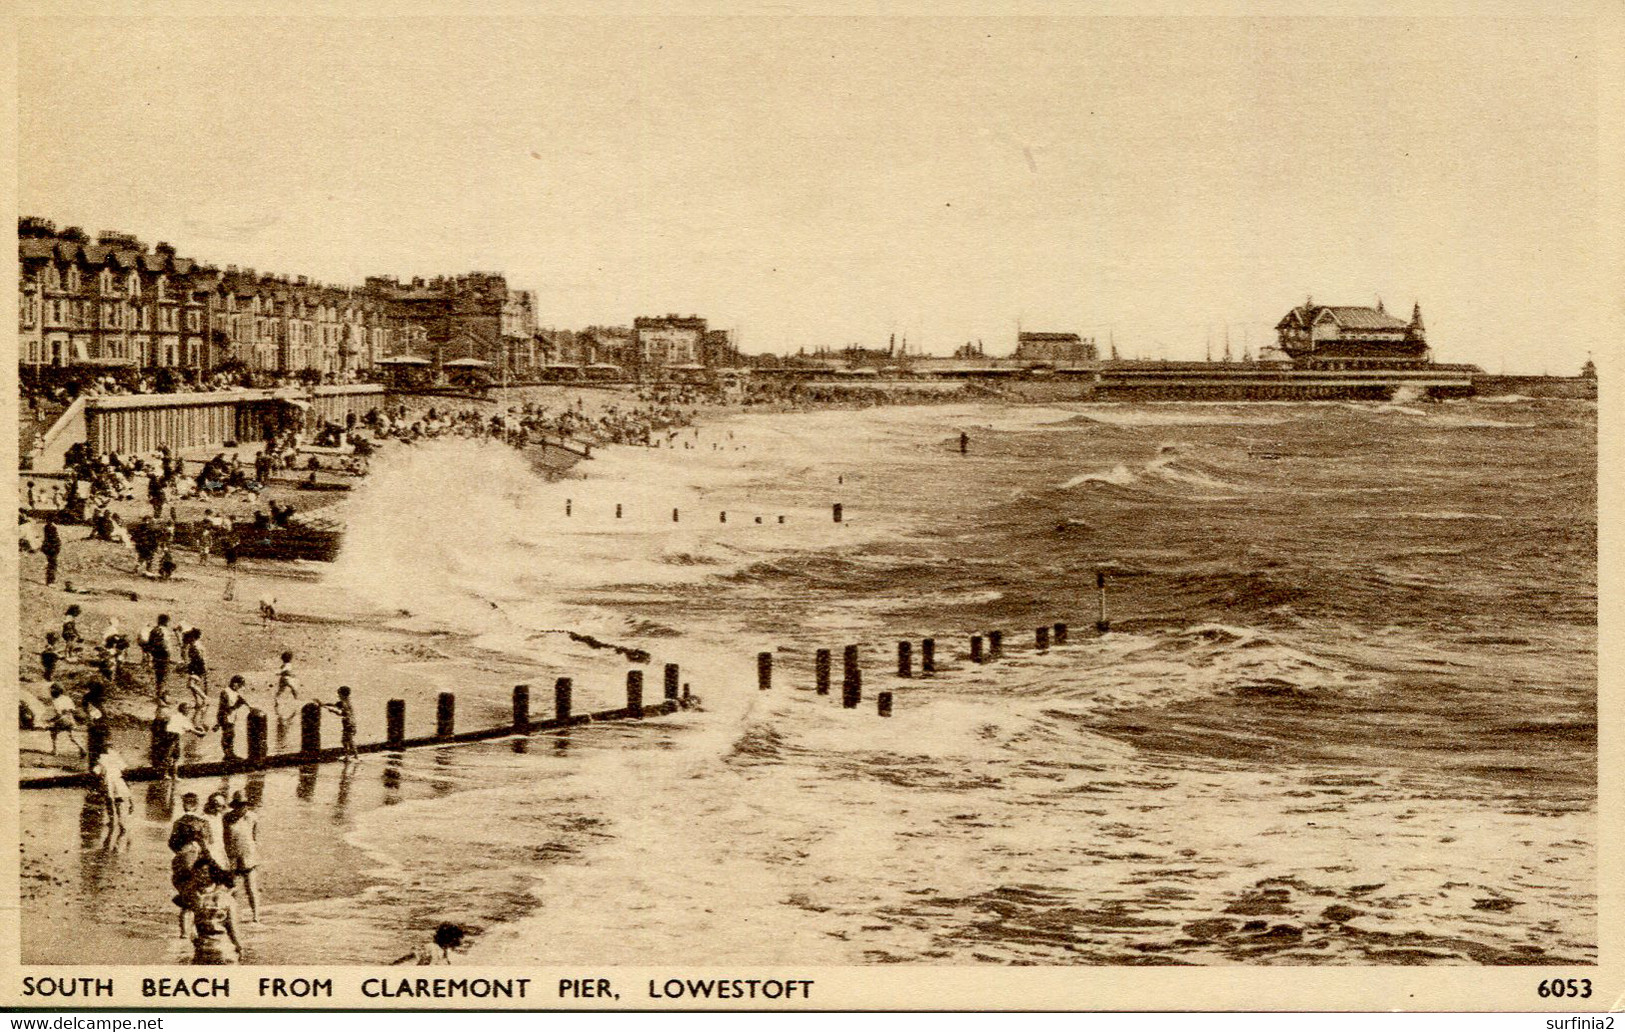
{"x": 115, "y": 302}
{"x": 112, "y": 301}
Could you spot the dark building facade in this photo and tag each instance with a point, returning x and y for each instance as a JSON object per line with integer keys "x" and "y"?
{"x": 1054, "y": 347}
{"x": 473, "y": 316}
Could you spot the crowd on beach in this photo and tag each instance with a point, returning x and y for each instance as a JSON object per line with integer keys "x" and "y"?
{"x": 214, "y": 848}
{"x": 159, "y": 677}
{"x": 802, "y": 395}
{"x": 40, "y": 388}
{"x": 531, "y": 423}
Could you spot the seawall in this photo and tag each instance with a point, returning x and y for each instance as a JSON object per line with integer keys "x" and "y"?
{"x": 1577, "y": 387}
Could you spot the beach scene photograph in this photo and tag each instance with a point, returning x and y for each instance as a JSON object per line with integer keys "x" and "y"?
{"x": 529, "y": 492}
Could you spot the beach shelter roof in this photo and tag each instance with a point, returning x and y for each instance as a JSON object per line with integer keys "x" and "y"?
{"x": 403, "y": 360}
{"x": 466, "y": 363}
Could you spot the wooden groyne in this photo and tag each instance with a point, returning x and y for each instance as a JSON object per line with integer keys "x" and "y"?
{"x": 983, "y": 648}
{"x": 311, "y": 750}
{"x": 987, "y": 647}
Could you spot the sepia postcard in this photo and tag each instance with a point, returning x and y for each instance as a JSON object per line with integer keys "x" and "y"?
{"x": 815, "y": 508}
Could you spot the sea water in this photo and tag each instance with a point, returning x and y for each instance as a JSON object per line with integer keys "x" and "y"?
{"x": 1345, "y": 713}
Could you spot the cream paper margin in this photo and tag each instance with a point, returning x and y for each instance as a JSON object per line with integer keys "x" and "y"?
{"x": 899, "y": 987}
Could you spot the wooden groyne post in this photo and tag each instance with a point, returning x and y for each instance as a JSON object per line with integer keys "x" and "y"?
{"x": 445, "y": 716}
{"x": 311, "y": 751}
{"x": 851, "y": 678}
{"x": 852, "y": 689}
{"x": 928, "y": 657}
{"x": 521, "y": 708}
{"x": 995, "y": 644}
{"x": 837, "y": 512}
{"x": 259, "y": 745}
{"x": 1041, "y": 638}
{"x": 976, "y": 649}
{"x": 905, "y": 659}
{"x": 96, "y": 741}
{"x": 883, "y": 704}
{"x": 634, "y": 692}
{"x": 310, "y": 728}
{"x": 1102, "y": 625}
{"x": 1060, "y": 634}
{"x": 671, "y": 683}
{"x": 395, "y": 723}
{"x": 764, "y": 670}
{"x": 821, "y": 671}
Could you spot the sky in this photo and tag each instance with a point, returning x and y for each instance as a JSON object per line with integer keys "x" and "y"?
{"x": 825, "y": 181}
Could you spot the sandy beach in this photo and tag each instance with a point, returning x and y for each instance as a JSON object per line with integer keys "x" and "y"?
{"x": 337, "y": 637}
{"x": 336, "y": 640}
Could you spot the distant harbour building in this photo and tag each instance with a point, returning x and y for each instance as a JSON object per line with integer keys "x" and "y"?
{"x": 1349, "y": 337}
{"x": 1033, "y": 346}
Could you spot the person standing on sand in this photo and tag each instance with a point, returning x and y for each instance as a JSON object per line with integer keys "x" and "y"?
{"x": 50, "y": 547}
{"x": 197, "y": 668}
{"x": 48, "y": 656}
{"x": 94, "y": 704}
{"x": 109, "y": 772}
{"x": 183, "y": 865}
{"x": 70, "y": 633}
{"x": 286, "y": 680}
{"x": 225, "y": 717}
{"x": 142, "y": 538}
{"x": 204, "y": 540}
{"x": 189, "y": 826}
{"x": 346, "y": 712}
{"x": 161, "y": 650}
{"x": 214, "y": 918}
{"x": 64, "y": 719}
{"x": 241, "y": 827}
{"x": 214, "y": 814}
{"x": 172, "y": 724}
